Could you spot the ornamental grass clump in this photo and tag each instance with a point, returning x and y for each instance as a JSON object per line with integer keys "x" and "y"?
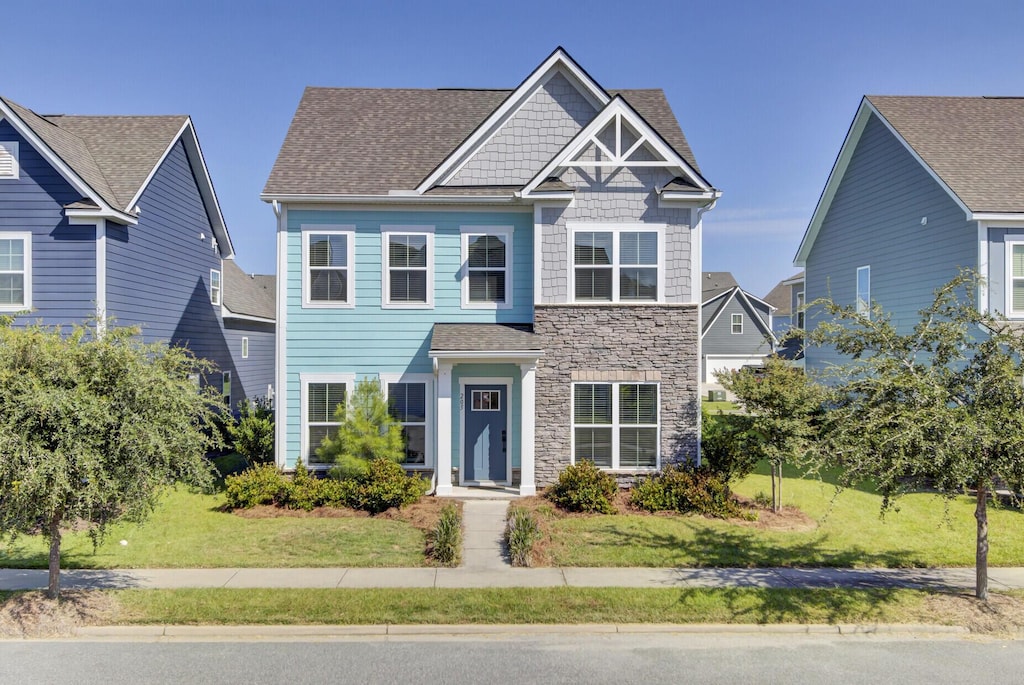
{"x": 522, "y": 532}
{"x": 445, "y": 541}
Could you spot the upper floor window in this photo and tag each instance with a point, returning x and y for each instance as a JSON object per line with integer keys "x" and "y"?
{"x": 15, "y": 271}
{"x": 225, "y": 387}
{"x": 737, "y": 324}
{"x": 864, "y": 291}
{"x": 800, "y": 310}
{"x": 487, "y": 260}
{"x": 9, "y": 165}
{"x": 215, "y": 287}
{"x": 409, "y": 266}
{"x": 327, "y": 267}
{"x": 245, "y": 347}
{"x": 1016, "y": 270}
{"x": 616, "y": 263}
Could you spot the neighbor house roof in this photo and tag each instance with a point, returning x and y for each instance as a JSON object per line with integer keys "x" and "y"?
{"x": 251, "y": 295}
{"x": 714, "y": 283}
{"x": 781, "y": 296}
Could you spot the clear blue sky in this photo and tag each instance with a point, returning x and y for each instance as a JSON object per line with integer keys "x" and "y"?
{"x": 765, "y": 91}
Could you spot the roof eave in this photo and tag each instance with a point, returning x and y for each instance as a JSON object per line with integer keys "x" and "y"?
{"x": 389, "y": 199}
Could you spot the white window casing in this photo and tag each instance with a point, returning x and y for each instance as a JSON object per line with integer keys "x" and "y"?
{"x": 319, "y": 396}
{"x": 1014, "y": 306}
{"x": 410, "y": 399}
{"x": 15, "y": 271}
{"x": 225, "y": 387}
{"x": 617, "y": 425}
{"x": 216, "y": 287}
{"x": 799, "y": 318}
{"x": 864, "y": 290}
{"x": 328, "y": 266}
{"x": 616, "y": 263}
{"x": 407, "y": 267}
{"x": 10, "y": 164}
{"x": 245, "y": 347}
{"x": 487, "y": 267}
{"x": 736, "y": 321}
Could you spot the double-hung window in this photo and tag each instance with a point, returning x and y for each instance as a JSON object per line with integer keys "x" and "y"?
{"x": 1016, "y": 280}
{"x": 487, "y": 267}
{"x": 616, "y": 263}
{"x": 215, "y": 287}
{"x": 15, "y": 271}
{"x": 615, "y": 425}
{"x": 408, "y": 270}
{"x": 320, "y": 402}
{"x": 327, "y": 266}
{"x": 800, "y": 310}
{"x": 407, "y": 403}
{"x": 864, "y": 290}
{"x": 737, "y": 324}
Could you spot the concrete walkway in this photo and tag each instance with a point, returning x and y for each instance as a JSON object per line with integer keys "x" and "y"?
{"x": 483, "y": 531}
{"x": 506, "y": 576}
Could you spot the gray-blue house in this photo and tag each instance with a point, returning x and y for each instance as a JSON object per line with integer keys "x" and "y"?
{"x": 736, "y": 327}
{"x": 114, "y": 218}
{"x": 922, "y": 187}
{"x": 787, "y": 297}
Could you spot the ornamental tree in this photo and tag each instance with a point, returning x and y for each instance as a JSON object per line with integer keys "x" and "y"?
{"x": 367, "y": 431}
{"x": 93, "y": 427}
{"x": 940, "y": 406}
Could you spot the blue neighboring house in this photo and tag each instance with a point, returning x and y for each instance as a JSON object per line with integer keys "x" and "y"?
{"x": 518, "y": 268}
{"x": 115, "y": 218}
{"x": 736, "y": 327}
{"x": 922, "y": 187}
{"x": 788, "y": 299}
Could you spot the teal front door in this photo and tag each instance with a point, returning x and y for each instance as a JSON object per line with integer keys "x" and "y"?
{"x": 486, "y": 433}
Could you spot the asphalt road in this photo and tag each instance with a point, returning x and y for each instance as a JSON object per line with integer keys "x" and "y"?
{"x": 590, "y": 659}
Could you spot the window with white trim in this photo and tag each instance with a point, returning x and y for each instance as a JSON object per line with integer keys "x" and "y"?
{"x": 15, "y": 271}
{"x": 245, "y": 347}
{"x": 487, "y": 261}
{"x": 1015, "y": 270}
{"x": 864, "y": 291}
{"x": 407, "y": 403}
{"x": 800, "y": 310}
{"x": 10, "y": 166}
{"x": 408, "y": 268}
{"x": 737, "y": 324}
{"x": 615, "y": 425}
{"x": 616, "y": 263}
{"x": 215, "y": 287}
{"x": 225, "y": 387}
{"x": 327, "y": 271}
{"x": 322, "y": 400}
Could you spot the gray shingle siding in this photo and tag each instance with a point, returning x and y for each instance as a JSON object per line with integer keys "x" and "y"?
{"x": 875, "y": 220}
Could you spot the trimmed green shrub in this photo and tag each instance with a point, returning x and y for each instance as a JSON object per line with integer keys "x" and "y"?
{"x": 584, "y": 487}
{"x": 446, "y": 538}
{"x": 685, "y": 491}
{"x": 384, "y": 485}
{"x": 253, "y": 433}
{"x": 521, "y": 533}
{"x": 263, "y": 484}
{"x": 308, "y": 492}
{"x": 727, "y": 447}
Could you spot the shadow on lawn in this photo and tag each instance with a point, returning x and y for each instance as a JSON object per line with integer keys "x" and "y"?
{"x": 797, "y": 606}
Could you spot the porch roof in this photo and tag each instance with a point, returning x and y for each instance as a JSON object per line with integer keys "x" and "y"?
{"x": 497, "y": 339}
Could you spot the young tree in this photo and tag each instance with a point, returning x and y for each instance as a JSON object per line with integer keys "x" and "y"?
{"x": 940, "y": 406}
{"x": 784, "y": 407}
{"x": 91, "y": 429}
{"x": 367, "y": 432}
{"x": 253, "y": 433}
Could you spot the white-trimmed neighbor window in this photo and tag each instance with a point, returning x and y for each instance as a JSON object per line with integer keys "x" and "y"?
{"x": 737, "y": 324}
{"x": 615, "y": 425}
{"x": 408, "y": 266}
{"x": 800, "y": 310}
{"x": 328, "y": 278}
{"x": 10, "y": 167}
{"x": 1015, "y": 268}
{"x": 864, "y": 290}
{"x": 407, "y": 403}
{"x": 487, "y": 263}
{"x": 215, "y": 287}
{"x": 15, "y": 271}
{"x": 225, "y": 387}
{"x": 617, "y": 263}
{"x": 320, "y": 399}
{"x": 245, "y": 347}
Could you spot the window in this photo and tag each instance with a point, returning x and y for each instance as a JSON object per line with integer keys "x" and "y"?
{"x": 408, "y": 271}
{"x": 486, "y": 400}
{"x": 800, "y": 310}
{"x": 616, "y": 263}
{"x": 225, "y": 387}
{"x": 215, "y": 287}
{"x": 15, "y": 271}
{"x": 327, "y": 275}
{"x": 321, "y": 401}
{"x": 737, "y": 324}
{"x": 615, "y": 425}
{"x": 245, "y": 348}
{"x": 408, "y": 405}
{"x": 1016, "y": 269}
{"x": 487, "y": 258}
{"x": 9, "y": 165}
{"x": 864, "y": 291}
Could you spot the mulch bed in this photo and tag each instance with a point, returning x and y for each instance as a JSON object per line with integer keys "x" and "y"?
{"x": 423, "y": 514}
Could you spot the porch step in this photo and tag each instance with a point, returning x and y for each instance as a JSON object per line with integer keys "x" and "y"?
{"x": 483, "y": 526}
{"x": 483, "y": 493}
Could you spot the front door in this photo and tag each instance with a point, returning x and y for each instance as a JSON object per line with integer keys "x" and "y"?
{"x": 486, "y": 433}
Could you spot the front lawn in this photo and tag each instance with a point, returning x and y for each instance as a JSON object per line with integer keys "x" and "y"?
{"x": 846, "y": 532}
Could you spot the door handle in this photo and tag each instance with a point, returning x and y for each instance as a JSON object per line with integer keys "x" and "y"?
{"x": 504, "y": 441}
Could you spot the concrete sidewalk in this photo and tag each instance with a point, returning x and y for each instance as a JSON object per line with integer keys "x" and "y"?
{"x": 478, "y": 577}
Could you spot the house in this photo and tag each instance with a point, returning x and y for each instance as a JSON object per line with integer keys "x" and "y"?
{"x": 922, "y": 187}
{"x": 788, "y": 299}
{"x": 736, "y": 327}
{"x": 114, "y": 218}
{"x": 519, "y": 269}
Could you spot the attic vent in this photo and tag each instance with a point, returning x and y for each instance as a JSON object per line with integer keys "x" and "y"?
{"x": 8, "y": 159}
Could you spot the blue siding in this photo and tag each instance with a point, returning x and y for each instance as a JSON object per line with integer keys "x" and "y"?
{"x": 63, "y": 256}
{"x": 251, "y": 376}
{"x": 875, "y": 220}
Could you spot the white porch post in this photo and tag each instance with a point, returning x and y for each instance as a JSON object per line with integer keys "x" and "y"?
{"x": 444, "y": 429}
{"x": 527, "y": 479}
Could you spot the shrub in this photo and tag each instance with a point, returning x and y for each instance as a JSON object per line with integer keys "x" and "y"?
{"x": 263, "y": 484}
{"x": 253, "y": 433}
{"x": 446, "y": 538}
{"x": 726, "y": 446}
{"x": 306, "y": 491}
{"x": 684, "y": 491}
{"x": 383, "y": 485}
{"x": 521, "y": 533}
{"x": 585, "y": 488}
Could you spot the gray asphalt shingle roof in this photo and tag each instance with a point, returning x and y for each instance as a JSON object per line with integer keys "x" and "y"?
{"x": 780, "y": 296}
{"x": 715, "y": 283}
{"x": 484, "y": 337}
{"x": 974, "y": 144}
{"x": 250, "y": 295}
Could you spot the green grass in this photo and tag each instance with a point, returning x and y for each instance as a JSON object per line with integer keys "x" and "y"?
{"x": 849, "y": 533}
{"x": 514, "y": 605}
{"x": 714, "y": 407}
{"x": 188, "y": 530}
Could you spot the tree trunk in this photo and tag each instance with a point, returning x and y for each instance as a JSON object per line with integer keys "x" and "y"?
{"x": 777, "y": 489}
{"x": 981, "y": 555}
{"x": 775, "y": 497}
{"x": 53, "y": 590}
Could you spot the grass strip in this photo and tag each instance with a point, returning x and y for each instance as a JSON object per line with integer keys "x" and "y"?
{"x": 514, "y": 605}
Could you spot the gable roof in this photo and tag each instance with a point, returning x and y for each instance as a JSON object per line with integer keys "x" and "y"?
{"x": 714, "y": 283}
{"x": 746, "y": 299}
{"x": 371, "y": 141}
{"x": 781, "y": 296}
{"x": 972, "y": 146}
{"x": 250, "y": 295}
{"x": 111, "y": 159}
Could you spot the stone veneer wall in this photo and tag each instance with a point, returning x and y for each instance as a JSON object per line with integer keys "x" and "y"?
{"x": 601, "y": 343}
